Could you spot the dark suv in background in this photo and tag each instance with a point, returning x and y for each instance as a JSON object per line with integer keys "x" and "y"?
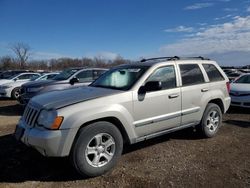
{"x": 69, "y": 78}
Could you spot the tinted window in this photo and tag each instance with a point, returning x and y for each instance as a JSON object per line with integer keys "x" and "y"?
{"x": 166, "y": 75}
{"x": 243, "y": 79}
{"x": 65, "y": 74}
{"x": 85, "y": 76}
{"x": 191, "y": 74}
{"x": 27, "y": 76}
{"x": 50, "y": 76}
{"x": 213, "y": 73}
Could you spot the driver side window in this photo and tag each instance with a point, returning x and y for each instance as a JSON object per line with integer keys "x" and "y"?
{"x": 25, "y": 76}
{"x": 166, "y": 75}
{"x": 85, "y": 76}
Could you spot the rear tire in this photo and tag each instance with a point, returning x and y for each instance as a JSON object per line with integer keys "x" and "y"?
{"x": 211, "y": 121}
{"x": 96, "y": 149}
{"x": 15, "y": 93}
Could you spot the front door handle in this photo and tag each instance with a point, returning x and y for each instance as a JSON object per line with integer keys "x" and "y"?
{"x": 204, "y": 90}
{"x": 173, "y": 96}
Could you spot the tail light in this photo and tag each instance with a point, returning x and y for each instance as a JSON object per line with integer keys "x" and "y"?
{"x": 228, "y": 87}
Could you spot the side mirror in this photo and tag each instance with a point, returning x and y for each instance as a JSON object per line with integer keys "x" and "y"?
{"x": 73, "y": 80}
{"x": 153, "y": 86}
{"x": 148, "y": 87}
{"x": 15, "y": 79}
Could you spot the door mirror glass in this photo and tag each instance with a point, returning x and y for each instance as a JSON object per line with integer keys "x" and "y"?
{"x": 150, "y": 86}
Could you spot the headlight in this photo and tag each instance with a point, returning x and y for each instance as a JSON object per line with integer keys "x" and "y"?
{"x": 5, "y": 87}
{"x": 34, "y": 89}
{"x": 49, "y": 119}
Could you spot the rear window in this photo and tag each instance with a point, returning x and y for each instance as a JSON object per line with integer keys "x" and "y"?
{"x": 213, "y": 73}
{"x": 191, "y": 74}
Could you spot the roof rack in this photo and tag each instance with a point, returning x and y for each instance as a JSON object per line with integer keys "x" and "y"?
{"x": 156, "y": 58}
{"x": 173, "y": 58}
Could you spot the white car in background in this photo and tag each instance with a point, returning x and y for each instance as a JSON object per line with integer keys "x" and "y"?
{"x": 10, "y": 87}
{"x": 46, "y": 76}
{"x": 240, "y": 91}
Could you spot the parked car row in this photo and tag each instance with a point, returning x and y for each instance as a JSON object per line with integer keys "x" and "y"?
{"x": 22, "y": 85}
{"x": 233, "y": 74}
{"x": 69, "y": 78}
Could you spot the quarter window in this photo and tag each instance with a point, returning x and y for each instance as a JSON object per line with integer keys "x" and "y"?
{"x": 213, "y": 73}
{"x": 165, "y": 75}
{"x": 191, "y": 74}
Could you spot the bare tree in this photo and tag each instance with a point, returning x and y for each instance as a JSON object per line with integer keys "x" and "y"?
{"x": 22, "y": 52}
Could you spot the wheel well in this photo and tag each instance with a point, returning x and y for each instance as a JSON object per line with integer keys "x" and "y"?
{"x": 219, "y": 103}
{"x": 114, "y": 121}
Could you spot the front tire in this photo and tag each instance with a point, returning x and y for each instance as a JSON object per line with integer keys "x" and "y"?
{"x": 97, "y": 149}
{"x": 15, "y": 93}
{"x": 211, "y": 120}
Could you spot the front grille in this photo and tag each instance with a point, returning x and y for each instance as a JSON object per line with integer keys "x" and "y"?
{"x": 30, "y": 115}
{"x": 236, "y": 103}
{"x": 239, "y": 94}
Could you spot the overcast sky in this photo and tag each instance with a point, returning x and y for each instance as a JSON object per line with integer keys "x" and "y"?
{"x": 219, "y": 29}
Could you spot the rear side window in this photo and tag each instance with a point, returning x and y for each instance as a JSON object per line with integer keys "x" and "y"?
{"x": 213, "y": 73}
{"x": 191, "y": 74}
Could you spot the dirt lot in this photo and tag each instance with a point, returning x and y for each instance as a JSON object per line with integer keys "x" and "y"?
{"x": 181, "y": 159}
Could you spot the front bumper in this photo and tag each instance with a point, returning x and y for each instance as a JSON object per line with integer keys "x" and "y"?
{"x": 3, "y": 93}
{"x": 47, "y": 142}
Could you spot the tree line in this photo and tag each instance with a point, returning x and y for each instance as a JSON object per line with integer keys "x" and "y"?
{"x": 21, "y": 60}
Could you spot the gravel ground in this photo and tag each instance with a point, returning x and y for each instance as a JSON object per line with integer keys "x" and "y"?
{"x": 180, "y": 159}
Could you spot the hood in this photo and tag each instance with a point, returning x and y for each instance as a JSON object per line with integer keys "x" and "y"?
{"x": 5, "y": 81}
{"x": 41, "y": 83}
{"x": 59, "y": 99}
{"x": 244, "y": 88}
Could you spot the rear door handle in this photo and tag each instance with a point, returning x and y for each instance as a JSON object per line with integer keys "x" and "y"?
{"x": 173, "y": 96}
{"x": 204, "y": 90}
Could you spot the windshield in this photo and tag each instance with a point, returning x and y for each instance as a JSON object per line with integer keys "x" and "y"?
{"x": 66, "y": 74}
{"x": 243, "y": 79}
{"x": 7, "y": 75}
{"x": 11, "y": 76}
{"x": 121, "y": 78}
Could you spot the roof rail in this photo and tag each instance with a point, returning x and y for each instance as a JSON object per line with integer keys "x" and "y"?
{"x": 174, "y": 58}
{"x": 156, "y": 58}
{"x": 198, "y": 57}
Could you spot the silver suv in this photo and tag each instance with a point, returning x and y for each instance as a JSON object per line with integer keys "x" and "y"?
{"x": 127, "y": 104}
